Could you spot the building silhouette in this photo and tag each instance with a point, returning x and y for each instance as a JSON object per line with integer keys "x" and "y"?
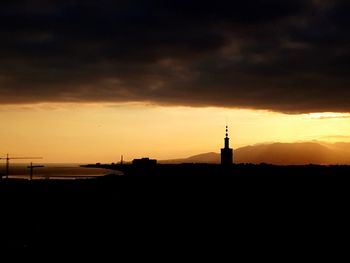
{"x": 144, "y": 162}
{"x": 143, "y": 166}
{"x": 227, "y": 152}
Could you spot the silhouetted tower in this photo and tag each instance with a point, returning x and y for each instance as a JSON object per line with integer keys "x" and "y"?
{"x": 226, "y": 152}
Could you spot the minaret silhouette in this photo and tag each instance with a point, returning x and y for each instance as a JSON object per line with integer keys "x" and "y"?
{"x": 226, "y": 152}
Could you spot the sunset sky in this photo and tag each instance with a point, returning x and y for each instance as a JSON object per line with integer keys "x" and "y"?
{"x": 89, "y": 81}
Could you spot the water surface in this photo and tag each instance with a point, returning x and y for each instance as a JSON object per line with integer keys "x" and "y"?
{"x": 53, "y": 171}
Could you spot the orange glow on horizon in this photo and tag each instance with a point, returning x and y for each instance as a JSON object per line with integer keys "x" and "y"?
{"x": 81, "y": 133}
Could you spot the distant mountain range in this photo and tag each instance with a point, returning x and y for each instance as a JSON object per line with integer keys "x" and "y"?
{"x": 314, "y": 152}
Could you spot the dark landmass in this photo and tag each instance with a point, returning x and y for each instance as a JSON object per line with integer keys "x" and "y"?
{"x": 174, "y": 206}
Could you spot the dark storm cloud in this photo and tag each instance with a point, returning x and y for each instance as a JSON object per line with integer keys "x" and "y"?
{"x": 289, "y": 56}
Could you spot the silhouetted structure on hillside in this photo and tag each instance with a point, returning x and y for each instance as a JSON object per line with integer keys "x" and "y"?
{"x": 227, "y": 152}
{"x": 144, "y": 162}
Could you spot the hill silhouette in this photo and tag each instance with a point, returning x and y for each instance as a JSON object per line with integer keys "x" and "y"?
{"x": 314, "y": 152}
{"x": 210, "y": 157}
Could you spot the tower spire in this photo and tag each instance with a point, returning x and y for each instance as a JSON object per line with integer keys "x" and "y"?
{"x": 226, "y": 152}
{"x": 227, "y": 139}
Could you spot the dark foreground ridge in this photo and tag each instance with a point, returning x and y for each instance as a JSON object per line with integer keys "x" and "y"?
{"x": 174, "y": 204}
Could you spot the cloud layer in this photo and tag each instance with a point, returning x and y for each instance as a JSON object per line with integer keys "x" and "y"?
{"x": 289, "y": 56}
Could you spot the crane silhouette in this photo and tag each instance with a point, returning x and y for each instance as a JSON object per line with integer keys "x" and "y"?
{"x": 31, "y": 168}
{"x": 8, "y": 158}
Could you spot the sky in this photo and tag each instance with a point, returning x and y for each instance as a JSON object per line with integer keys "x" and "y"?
{"x": 88, "y": 81}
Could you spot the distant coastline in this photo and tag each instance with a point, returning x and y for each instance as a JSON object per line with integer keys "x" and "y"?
{"x": 53, "y": 171}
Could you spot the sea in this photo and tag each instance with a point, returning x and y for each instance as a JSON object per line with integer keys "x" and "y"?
{"x": 54, "y": 171}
